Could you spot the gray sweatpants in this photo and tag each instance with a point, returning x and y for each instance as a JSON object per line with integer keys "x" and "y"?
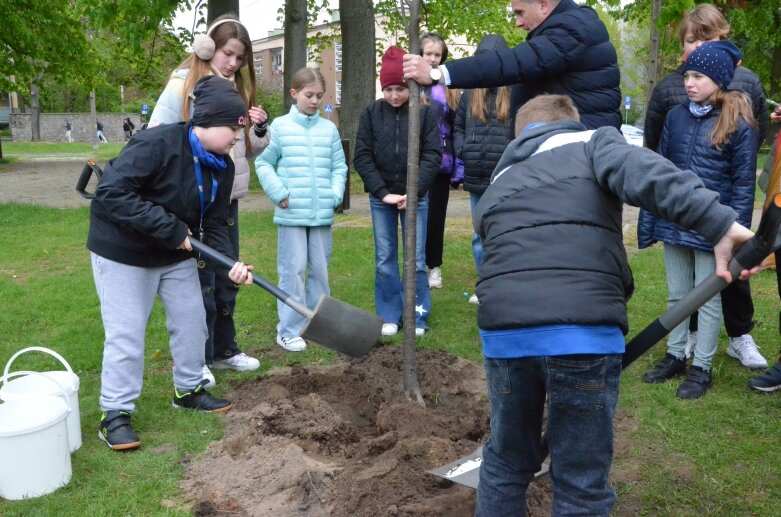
{"x": 127, "y": 294}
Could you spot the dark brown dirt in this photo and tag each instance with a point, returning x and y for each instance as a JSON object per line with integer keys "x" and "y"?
{"x": 342, "y": 440}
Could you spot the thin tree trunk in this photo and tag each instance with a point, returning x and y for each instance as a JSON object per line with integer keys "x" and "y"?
{"x": 217, "y": 8}
{"x": 94, "y": 112}
{"x": 653, "y": 52}
{"x": 358, "y": 63}
{"x": 295, "y": 44}
{"x": 409, "y": 363}
{"x": 35, "y": 113}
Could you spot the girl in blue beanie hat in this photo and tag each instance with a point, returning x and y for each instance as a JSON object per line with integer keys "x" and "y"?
{"x": 713, "y": 134}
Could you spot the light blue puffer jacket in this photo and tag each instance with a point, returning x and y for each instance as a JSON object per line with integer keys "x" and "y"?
{"x": 304, "y": 162}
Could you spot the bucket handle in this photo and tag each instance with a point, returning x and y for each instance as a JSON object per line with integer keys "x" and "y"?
{"x": 20, "y": 373}
{"x": 37, "y": 349}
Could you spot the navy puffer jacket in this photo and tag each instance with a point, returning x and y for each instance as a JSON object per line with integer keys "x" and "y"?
{"x": 569, "y": 53}
{"x": 480, "y": 144}
{"x": 670, "y": 92}
{"x": 686, "y": 141}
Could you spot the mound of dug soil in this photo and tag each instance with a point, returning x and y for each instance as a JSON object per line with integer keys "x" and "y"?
{"x": 342, "y": 440}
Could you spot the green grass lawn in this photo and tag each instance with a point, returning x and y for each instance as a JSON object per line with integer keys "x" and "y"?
{"x": 87, "y": 150}
{"x": 716, "y": 456}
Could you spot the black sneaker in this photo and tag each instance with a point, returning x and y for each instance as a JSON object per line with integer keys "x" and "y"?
{"x": 116, "y": 432}
{"x": 669, "y": 367}
{"x": 200, "y": 399}
{"x": 697, "y": 384}
{"x": 768, "y": 381}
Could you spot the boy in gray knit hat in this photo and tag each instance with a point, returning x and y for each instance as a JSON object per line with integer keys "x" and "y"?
{"x": 168, "y": 183}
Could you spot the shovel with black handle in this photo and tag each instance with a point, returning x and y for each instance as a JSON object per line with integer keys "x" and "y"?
{"x": 333, "y": 324}
{"x": 750, "y": 254}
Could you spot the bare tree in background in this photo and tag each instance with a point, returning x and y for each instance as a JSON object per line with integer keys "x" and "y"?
{"x": 217, "y": 8}
{"x": 358, "y": 63}
{"x": 295, "y": 44}
{"x": 653, "y": 51}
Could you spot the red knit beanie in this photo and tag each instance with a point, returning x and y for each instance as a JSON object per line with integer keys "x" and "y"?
{"x": 391, "y": 72}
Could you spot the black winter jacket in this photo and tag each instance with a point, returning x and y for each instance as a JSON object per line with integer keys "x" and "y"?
{"x": 568, "y": 197}
{"x": 569, "y": 54}
{"x": 147, "y": 199}
{"x": 670, "y": 92}
{"x": 480, "y": 144}
{"x": 381, "y": 149}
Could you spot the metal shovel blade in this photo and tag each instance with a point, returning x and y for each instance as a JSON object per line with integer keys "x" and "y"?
{"x": 342, "y": 327}
{"x": 333, "y": 324}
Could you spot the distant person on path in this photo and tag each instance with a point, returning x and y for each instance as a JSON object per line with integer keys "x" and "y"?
{"x": 381, "y": 160}
{"x": 225, "y": 51}
{"x": 444, "y": 102}
{"x": 128, "y": 127}
{"x": 706, "y": 23}
{"x": 557, "y": 188}
{"x": 68, "y": 129}
{"x": 482, "y": 132}
{"x": 303, "y": 172}
{"x": 714, "y": 135}
{"x": 101, "y": 137}
{"x": 567, "y": 51}
{"x": 164, "y": 186}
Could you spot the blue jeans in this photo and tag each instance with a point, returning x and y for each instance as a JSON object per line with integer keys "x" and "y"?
{"x": 582, "y": 391}
{"x": 477, "y": 243}
{"x": 388, "y": 287}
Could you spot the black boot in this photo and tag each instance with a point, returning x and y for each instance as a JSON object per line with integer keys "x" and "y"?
{"x": 669, "y": 367}
{"x": 697, "y": 384}
{"x": 200, "y": 400}
{"x": 116, "y": 432}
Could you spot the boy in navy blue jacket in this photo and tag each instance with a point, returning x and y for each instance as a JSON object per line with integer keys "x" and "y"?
{"x": 555, "y": 329}
{"x": 168, "y": 183}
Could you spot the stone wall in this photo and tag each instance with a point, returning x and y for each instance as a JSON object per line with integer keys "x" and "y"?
{"x": 53, "y": 126}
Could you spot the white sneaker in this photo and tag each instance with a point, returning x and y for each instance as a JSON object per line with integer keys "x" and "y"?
{"x": 691, "y": 344}
{"x": 419, "y": 331}
{"x": 240, "y": 362}
{"x": 292, "y": 344}
{"x": 744, "y": 349}
{"x": 435, "y": 278}
{"x": 473, "y": 300}
{"x": 209, "y": 377}
{"x": 389, "y": 329}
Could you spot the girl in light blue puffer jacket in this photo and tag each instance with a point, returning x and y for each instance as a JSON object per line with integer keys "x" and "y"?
{"x": 303, "y": 172}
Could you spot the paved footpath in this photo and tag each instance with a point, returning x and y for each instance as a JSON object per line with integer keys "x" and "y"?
{"x": 51, "y": 181}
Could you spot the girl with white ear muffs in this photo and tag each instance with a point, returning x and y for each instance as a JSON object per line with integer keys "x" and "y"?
{"x": 225, "y": 51}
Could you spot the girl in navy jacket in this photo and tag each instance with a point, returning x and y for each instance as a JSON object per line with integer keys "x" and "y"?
{"x": 713, "y": 134}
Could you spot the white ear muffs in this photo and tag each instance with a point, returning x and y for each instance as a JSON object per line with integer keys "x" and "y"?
{"x": 204, "y": 46}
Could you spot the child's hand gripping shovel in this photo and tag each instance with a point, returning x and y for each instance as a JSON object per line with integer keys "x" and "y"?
{"x": 750, "y": 254}
{"x": 332, "y": 324}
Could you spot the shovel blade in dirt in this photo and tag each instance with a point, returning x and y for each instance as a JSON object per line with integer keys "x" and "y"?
{"x": 333, "y": 324}
{"x": 466, "y": 470}
{"x": 342, "y": 327}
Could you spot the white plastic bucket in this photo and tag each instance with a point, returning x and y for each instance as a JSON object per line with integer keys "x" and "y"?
{"x": 32, "y": 386}
{"x": 36, "y": 458}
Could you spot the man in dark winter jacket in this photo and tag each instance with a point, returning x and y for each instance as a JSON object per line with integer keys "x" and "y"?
{"x": 554, "y": 329}
{"x": 567, "y": 52}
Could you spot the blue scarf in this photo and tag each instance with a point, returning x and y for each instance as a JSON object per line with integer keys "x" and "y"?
{"x": 205, "y": 157}
{"x": 698, "y": 110}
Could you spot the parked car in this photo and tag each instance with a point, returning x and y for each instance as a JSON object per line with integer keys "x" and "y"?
{"x": 633, "y": 135}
